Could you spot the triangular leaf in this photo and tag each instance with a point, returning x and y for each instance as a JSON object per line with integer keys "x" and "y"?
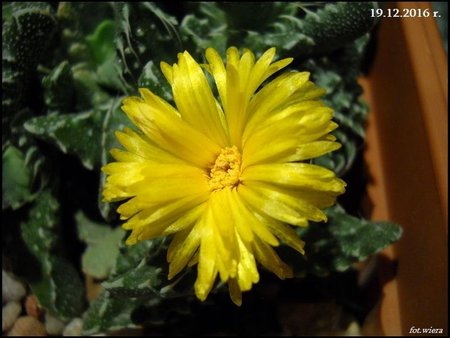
{"x": 77, "y": 134}
{"x": 16, "y": 179}
{"x": 107, "y": 314}
{"x": 102, "y": 246}
{"x": 52, "y": 278}
{"x": 342, "y": 241}
{"x": 149, "y": 278}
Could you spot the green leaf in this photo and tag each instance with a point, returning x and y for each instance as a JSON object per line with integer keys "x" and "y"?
{"x": 108, "y": 314}
{"x": 59, "y": 88}
{"x": 153, "y": 79}
{"x": 27, "y": 33}
{"x": 294, "y": 28}
{"x": 340, "y": 161}
{"x": 337, "y": 24}
{"x": 16, "y": 179}
{"x": 39, "y": 231}
{"x": 148, "y": 279}
{"x": 99, "y": 258}
{"x": 138, "y": 291}
{"x": 81, "y": 18}
{"x": 285, "y": 35}
{"x": 53, "y": 280}
{"x": 103, "y": 246}
{"x": 60, "y": 289}
{"x": 342, "y": 241}
{"x": 205, "y": 27}
{"x": 31, "y": 163}
{"x": 89, "y": 231}
{"x": 109, "y": 75}
{"x": 141, "y": 282}
{"x": 88, "y": 91}
{"x": 261, "y": 14}
{"x": 89, "y": 135}
{"x": 78, "y": 134}
{"x": 35, "y": 160}
{"x": 131, "y": 256}
{"x": 280, "y": 27}
{"x": 145, "y": 33}
{"x": 114, "y": 120}
{"x": 101, "y": 42}
{"x": 7, "y": 10}
{"x": 305, "y": 30}
{"x": 360, "y": 238}
{"x": 338, "y": 75}
{"x": 103, "y": 50}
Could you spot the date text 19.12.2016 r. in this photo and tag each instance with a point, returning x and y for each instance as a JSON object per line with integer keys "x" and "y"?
{"x": 403, "y": 13}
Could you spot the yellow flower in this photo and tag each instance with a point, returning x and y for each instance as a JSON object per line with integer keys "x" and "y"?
{"x": 226, "y": 178}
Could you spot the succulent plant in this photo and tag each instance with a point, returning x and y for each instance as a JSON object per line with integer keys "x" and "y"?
{"x": 67, "y": 67}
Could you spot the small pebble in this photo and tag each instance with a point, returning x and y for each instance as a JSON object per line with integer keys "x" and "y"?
{"x": 353, "y": 329}
{"x": 27, "y": 326}
{"x": 12, "y": 288}
{"x": 10, "y": 312}
{"x": 53, "y": 325}
{"x": 73, "y": 328}
{"x": 32, "y": 307}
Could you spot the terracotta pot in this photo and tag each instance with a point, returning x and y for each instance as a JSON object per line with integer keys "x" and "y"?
{"x": 407, "y": 161}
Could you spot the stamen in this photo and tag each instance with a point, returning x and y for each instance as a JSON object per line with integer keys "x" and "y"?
{"x": 226, "y": 169}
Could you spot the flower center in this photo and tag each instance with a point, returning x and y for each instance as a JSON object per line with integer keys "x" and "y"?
{"x": 226, "y": 169}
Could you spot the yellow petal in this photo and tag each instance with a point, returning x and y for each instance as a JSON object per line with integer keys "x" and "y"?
{"x": 167, "y": 71}
{"x": 259, "y": 71}
{"x": 313, "y": 150}
{"x": 112, "y": 193}
{"x": 224, "y": 235}
{"x": 185, "y": 220}
{"x": 305, "y": 210}
{"x": 236, "y": 106}
{"x": 167, "y": 189}
{"x": 286, "y": 234}
{"x": 121, "y": 175}
{"x": 263, "y": 69}
{"x": 309, "y": 91}
{"x": 275, "y": 94}
{"x": 247, "y": 270}
{"x": 279, "y": 142}
{"x": 186, "y": 244}
{"x": 270, "y": 260}
{"x": 319, "y": 199}
{"x": 144, "y": 147}
{"x": 245, "y": 69}
{"x": 235, "y": 292}
{"x": 240, "y": 220}
{"x": 279, "y": 114}
{"x": 219, "y": 73}
{"x": 158, "y": 216}
{"x": 207, "y": 269}
{"x": 272, "y": 208}
{"x": 160, "y": 122}
{"x": 301, "y": 175}
{"x": 247, "y": 218}
{"x": 298, "y": 110}
{"x": 156, "y": 171}
{"x": 274, "y": 67}
{"x": 232, "y": 56}
{"x": 195, "y": 101}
